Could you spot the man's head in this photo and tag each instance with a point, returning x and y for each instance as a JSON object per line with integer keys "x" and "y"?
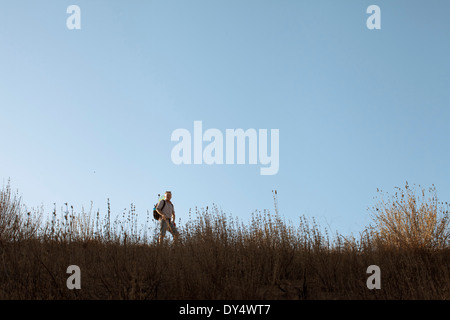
{"x": 168, "y": 195}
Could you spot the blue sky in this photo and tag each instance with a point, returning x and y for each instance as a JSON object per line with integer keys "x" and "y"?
{"x": 88, "y": 114}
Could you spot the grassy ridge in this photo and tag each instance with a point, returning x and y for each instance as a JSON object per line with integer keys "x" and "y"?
{"x": 219, "y": 257}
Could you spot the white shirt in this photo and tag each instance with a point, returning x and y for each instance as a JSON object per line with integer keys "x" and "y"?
{"x": 167, "y": 210}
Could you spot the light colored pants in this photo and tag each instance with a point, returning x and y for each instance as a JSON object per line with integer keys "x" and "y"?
{"x": 164, "y": 227}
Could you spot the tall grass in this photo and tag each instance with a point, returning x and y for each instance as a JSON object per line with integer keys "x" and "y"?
{"x": 219, "y": 256}
{"x": 411, "y": 219}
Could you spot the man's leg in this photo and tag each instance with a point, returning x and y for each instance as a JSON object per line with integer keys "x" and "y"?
{"x": 174, "y": 232}
{"x": 162, "y": 230}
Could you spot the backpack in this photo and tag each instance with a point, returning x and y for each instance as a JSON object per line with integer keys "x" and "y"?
{"x": 156, "y": 215}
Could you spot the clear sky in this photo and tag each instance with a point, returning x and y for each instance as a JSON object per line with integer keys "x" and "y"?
{"x": 88, "y": 114}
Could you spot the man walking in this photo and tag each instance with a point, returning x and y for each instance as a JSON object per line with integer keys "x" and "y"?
{"x": 167, "y": 217}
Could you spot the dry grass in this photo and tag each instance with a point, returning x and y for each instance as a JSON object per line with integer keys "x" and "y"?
{"x": 220, "y": 257}
{"x": 410, "y": 219}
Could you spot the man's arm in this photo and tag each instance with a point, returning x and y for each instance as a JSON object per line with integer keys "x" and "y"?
{"x": 158, "y": 209}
